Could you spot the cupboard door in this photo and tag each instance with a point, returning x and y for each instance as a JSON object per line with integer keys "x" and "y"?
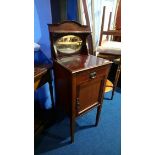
{"x": 89, "y": 94}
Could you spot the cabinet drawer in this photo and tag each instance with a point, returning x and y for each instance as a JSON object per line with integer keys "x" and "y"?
{"x": 90, "y": 74}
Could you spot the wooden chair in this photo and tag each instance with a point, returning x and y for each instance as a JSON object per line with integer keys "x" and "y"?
{"x": 109, "y": 49}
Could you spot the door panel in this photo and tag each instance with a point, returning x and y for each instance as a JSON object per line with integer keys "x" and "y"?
{"x": 89, "y": 94}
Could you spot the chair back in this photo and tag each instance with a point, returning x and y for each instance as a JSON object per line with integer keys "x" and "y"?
{"x": 107, "y": 32}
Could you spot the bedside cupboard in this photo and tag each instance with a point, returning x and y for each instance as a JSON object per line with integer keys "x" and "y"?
{"x": 79, "y": 77}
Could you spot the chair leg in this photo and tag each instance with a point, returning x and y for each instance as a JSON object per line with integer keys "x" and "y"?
{"x": 98, "y": 114}
{"x": 116, "y": 80}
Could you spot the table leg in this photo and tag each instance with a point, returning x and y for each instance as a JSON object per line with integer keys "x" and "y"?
{"x": 51, "y": 89}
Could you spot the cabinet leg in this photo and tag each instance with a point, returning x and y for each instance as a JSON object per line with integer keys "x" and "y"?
{"x": 72, "y": 126}
{"x": 116, "y": 80}
{"x": 98, "y": 114}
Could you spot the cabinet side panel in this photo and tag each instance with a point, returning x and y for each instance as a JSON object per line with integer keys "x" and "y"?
{"x": 62, "y": 86}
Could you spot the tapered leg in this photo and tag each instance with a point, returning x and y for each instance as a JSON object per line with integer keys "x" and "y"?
{"x": 116, "y": 80}
{"x": 72, "y": 127}
{"x": 98, "y": 114}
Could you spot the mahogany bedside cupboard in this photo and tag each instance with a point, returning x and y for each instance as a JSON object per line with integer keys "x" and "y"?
{"x": 79, "y": 77}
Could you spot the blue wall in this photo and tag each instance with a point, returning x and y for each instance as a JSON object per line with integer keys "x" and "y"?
{"x": 42, "y": 17}
{"x": 37, "y": 30}
{"x": 72, "y": 10}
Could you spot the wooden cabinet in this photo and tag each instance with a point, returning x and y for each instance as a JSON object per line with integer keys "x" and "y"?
{"x": 80, "y": 82}
{"x": 79, "y": 77}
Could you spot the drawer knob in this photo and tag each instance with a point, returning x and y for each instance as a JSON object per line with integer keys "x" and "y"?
{"x": 92, "y": 75}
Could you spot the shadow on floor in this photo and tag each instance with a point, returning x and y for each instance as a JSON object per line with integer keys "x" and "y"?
{"x": 56, "y": 136}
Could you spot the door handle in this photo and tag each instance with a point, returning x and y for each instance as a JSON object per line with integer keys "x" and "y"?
{"x": 77, "y": 104}
{"x": 92, "y": 75}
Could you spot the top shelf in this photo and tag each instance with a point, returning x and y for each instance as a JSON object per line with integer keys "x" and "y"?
{"x": 81, "y": 62}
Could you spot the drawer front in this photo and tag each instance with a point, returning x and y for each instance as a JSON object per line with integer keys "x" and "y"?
{"x": 90, "y": 75}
